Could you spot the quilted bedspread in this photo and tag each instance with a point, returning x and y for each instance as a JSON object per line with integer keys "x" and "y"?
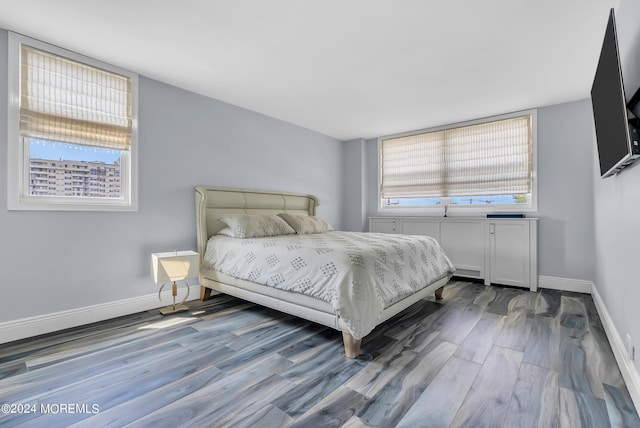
{"x": 358, "y": 274}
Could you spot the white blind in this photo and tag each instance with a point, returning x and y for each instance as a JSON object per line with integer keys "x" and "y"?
{"x": 492, "y": 158}
{"x": 64, "y": 100}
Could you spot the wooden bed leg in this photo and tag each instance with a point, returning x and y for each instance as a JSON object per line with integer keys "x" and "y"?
{"x": 205, "y": 293}
{"x": 438, "y": 293}
{"x": 351, "y": 345}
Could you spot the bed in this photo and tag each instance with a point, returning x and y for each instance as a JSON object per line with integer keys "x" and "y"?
{"x": 214, "y": 203}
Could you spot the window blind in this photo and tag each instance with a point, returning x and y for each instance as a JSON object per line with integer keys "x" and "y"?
{"x": 493, "y": 158}
{"x": 64, "y": 100}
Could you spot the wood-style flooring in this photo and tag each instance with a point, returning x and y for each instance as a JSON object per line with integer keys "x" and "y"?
{"x": 485, "y": 356}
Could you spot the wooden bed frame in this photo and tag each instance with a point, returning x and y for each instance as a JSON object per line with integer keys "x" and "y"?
{"x": 212, "y": 202}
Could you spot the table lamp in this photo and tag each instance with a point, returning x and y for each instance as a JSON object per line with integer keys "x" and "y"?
{"x": 171, "y": 267}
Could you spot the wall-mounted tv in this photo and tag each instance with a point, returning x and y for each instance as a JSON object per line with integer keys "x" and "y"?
{"x": 617, "y": 139}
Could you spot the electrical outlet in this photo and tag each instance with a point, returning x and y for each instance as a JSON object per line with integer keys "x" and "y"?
{"x": 630, "y": 348}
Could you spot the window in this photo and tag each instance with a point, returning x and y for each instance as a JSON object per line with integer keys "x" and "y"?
{"x": 480, "y": 166}
{"x": 72, "y": 123}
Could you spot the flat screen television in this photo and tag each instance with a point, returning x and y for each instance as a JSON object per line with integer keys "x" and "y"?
{"x": 616, "y": 148}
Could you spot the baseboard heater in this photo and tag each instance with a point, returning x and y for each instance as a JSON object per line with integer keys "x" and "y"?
{"x": 467, "y": 272}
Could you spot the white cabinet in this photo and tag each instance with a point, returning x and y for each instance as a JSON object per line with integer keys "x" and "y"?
{"x": 420, "y": 227}
{"x": 383, "y": 225}
{"x": 513, "y": 252}
{"x": 463, "y": 241}
{"x": 500, "y": 251}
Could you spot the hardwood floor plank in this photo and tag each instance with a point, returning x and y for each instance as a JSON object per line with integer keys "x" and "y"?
{"x": 574, "y": 368}
{"x": 523, "y": 302}
{"x": 535, "y": 399}
{"x": 322, "y": 358}
{"x": 418, "y": 317}
{"x": 439, "y": 403}
{"x": 568, "y": 409}
{"x": 144, "y": 404}
{"x": 518, "y": 323}
{"x": 463, "y": 291}
{"x": 333, "y": 411}
{"x": 377, "y": 345}
{"x": 315, "y": 386}
{"x": 601, "y": 366}
{"x": 269, "y": 416}
{"x": 69, "y": 343}
{"x": 382, "y": 370}
{"x": 114, "y": 388}
{"x": 548, "y": 303}
{"x": 22, "y": 348}
{"x": 516, "y": 331}
{"x": 573, "y": 372}
{"x": 620, "y": 407}
{"x": 592, "y": 312}
{"x": 12, "y": 368}
{"x": 392, "y": 401}
{"x": 500, "y": 305}
{"x": 206, "y": 409}
{"x": 479, "y": 342}
{"x": 573, "y": 315}
{"x": 490, "y": 394}
{"x": 487, "y": 296}
{"x": 221, "y": 396}
{"x": 232, "y": 318}
{"x": 302, "y": 349}
{"x": 31, "y": 385}
{"x": 543, "y": 347}
{"x": 456, "y": 324}
{"x": 139, "y": 339}
{"x": 252, "y": 400}
{"x": 582, "y": 410}
{"x": 265, "y": 331}
{"x": 257, "y": 350}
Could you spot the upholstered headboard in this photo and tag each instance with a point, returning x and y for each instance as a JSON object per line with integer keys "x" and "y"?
{"x": 212, "y": 202}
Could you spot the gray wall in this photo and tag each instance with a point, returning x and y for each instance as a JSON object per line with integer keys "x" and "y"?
{"x": 354, "y": 197}
{"x": 55, "y": 261}
{"x": 565, "y": 192}
{"x": 617, "y": 205}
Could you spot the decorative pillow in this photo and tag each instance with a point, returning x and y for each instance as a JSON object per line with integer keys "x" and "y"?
{"x": 305, "y": 224}
{"x": 256, "y": 225}
{"x": 227, "y": 231}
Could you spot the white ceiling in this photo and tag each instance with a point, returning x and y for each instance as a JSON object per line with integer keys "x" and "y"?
{"x": 345, "y": 68}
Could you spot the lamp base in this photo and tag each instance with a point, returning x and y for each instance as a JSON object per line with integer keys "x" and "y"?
{"x": 171, "y": 309}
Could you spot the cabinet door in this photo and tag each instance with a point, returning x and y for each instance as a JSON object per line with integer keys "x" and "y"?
{"x": 421, "y": 227}
{"x": 384, "y": 225}
{"x": 464, "y": 241}
{"x": 510, "y": 258}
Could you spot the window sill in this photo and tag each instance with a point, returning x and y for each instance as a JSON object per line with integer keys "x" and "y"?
{"x": 456, "y": 211}
{"x": 34, "y": 204}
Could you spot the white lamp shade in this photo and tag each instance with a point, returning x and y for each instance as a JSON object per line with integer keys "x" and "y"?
{"x": 174, "y": 266}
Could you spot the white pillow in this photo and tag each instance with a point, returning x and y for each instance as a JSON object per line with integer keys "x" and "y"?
{"x": 305, "y": 224}
{"x": 256, "y": 225}
{"x": 227, "y": 232}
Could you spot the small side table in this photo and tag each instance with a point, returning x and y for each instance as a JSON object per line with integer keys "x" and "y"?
{"x": 171, "y": 267}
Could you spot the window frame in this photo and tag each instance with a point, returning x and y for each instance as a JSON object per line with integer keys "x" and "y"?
{"x": 18, "y": 195}
{"x": 445, "y": 208}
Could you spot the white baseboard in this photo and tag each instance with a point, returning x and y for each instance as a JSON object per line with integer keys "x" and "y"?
{"x": 42, "y": 324}
{"x": 565, "y": 284}
{"x": 629, "y": 373}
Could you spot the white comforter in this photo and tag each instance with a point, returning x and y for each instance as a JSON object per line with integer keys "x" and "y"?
{"x": 359, "y": 274}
